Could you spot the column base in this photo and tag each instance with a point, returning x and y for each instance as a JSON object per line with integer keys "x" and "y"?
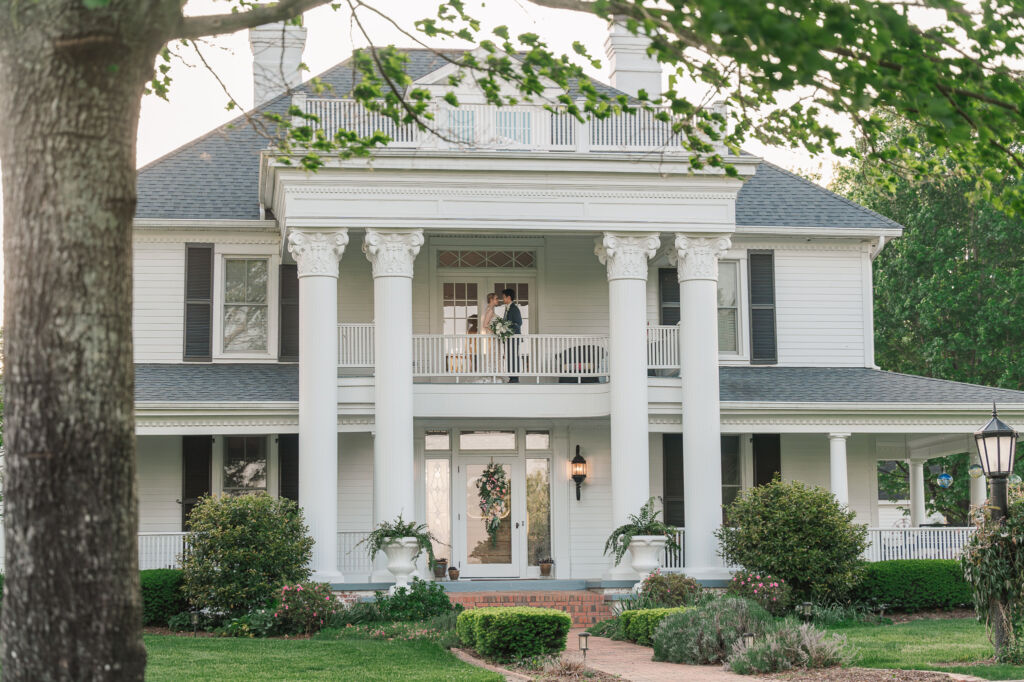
{"x": 709, "y": 573}
{"x": 330, "y": 577}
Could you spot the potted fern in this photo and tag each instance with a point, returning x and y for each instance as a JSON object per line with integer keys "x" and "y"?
{"x": 646, "y": 537}
{"x": 402, "y": 542}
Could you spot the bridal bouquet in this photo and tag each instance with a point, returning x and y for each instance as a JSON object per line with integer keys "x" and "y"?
{"x": 493, "y": 488}
{"x": 502, "y": 328}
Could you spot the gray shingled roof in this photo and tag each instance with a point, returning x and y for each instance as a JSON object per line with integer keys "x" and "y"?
{"x": 273, "y": 382}
{"x": 215, "y": 176}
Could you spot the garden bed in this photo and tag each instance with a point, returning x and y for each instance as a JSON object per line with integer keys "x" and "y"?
{"x": 866, "y": 675}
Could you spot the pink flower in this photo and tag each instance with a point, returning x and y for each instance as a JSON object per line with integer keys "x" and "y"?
{"x": 755, "y": 591}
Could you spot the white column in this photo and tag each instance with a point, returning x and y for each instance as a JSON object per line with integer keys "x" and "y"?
{"x": 626, "y": 256}
{"x": 317, "y": 254}
{"x": 696, "y": 259}
{"x": 392, "y": 254}
{"x": 838, "y": 476}
{"x": 916, "y": 492}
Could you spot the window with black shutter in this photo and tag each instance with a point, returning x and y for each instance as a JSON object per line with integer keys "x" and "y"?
{"x": 763, "y": 348}
{"x": 198, "y": 302}
{"x": 289, "y": 346}
{"x": 673, "y": 496}
{"x": 288, "y": 465}
{"x": 196, "y": 461}
{"x": 767, "y": 449}
{"x": 668, "y": 296}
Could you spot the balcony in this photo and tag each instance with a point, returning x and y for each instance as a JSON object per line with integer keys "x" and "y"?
{"x": 483, "y": 126}
{"x": 557, "y": 358}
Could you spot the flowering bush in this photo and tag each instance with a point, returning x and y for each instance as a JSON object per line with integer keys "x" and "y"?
{"x": 769, "y": 591}
{"x": 305, "y": 608}
{"x": 670, "y": 589}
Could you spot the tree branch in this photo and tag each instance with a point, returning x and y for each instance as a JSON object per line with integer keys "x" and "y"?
{"x": 191, "y": 28}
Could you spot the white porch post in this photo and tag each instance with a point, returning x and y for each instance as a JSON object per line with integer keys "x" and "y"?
{"x": 838, "y": 476}
{"x": 317, "y": 254}
{"x": 625, "y": 255}
{"x": 696, "y": 258}
{"x": 916, "y": 492}
{"x": 392, "y": 254}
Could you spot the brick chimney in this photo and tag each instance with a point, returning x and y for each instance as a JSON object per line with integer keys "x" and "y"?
{"x": 632, "y": 69}
{"x": 277, "y": 52}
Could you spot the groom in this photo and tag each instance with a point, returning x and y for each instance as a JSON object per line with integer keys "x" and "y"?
{"x": 512, "y": 314}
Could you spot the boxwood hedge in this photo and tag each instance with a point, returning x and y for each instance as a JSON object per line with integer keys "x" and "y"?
{"x": 639, "y": 625}
{"x": 506, "y": 633}
{"x": 915, "y": 584}
{"x": 161, "y": 595}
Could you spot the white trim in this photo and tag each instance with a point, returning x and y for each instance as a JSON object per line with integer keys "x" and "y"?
{"x": 871, "y": 233}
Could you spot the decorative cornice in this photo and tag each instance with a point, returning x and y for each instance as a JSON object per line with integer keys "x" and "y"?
{"x": 393, "y": 188}
{"x": 626, "y": 254}
{"x": 221, "y": 237}
{"x": 317, "y": 253}
{"x": 392, "y": 253}
{"x": 696, "y": 257}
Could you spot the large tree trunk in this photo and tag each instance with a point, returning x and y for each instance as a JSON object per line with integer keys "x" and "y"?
{"x": 71, "y": 80}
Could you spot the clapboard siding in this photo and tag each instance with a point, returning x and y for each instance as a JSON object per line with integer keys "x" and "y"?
{"x": 159, "y": 482}
{"x": 158, "y": 301}
{"x": 591, "y": 518}
{"x": 355, "y": 283}
{"x": 805, "y": 457}
{"x": 574, "y": 299}
{"x": 355, "y": 482}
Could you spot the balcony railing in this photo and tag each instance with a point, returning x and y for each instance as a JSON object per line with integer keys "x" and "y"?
{"x": 483, "y": 126}
{"x": 355, "y": 345}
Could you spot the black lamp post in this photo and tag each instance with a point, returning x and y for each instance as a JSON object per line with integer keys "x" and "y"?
{"x": 997, "y": 444}
{"x": 579, "y": 471}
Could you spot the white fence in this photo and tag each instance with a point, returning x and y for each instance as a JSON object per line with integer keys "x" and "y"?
{"x": 530, "y": 126}
{"x": 355, "y": 345}
{"x": 569, "y": 357}
{"x": 916, "y": 543}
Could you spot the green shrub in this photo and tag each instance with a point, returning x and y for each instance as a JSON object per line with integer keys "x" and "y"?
{"x": 242, "y": 550}
{"x": 358, "y": 613}
{"x": 705, "y": 634}
{"x": 305, "y": 608}
{"x": 915, "y": 585}
{"x": 259, "y": 623}
{"x": 161, "y": 595}
{"x": 790, "y": 645}
{"x": 420, "y": 601}
{"x": 507, "y": 633}
{"x": 798, "y": 533}
{"x": 639, "y": 625}
{"x": 772, "y": 593}
{"x": 670, "y": 589}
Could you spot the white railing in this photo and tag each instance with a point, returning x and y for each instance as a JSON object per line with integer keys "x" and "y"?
{"x": 663, "y": 347}
{"x": 353, "y": 559}
{"x": 916, "y": 543}
{"x": 569, "y": 357}
{"x": 160, "y": 550}
{"x": 355, "y": 345}
{"x": 484, "y": 126}
{"x": 675, "y": 560}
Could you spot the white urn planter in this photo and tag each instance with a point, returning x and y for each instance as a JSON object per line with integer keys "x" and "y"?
{"x": 400, "y": 553}
{"x": 646, "y": 551}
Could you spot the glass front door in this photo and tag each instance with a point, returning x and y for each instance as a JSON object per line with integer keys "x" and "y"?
{"x": 491, "y": 492}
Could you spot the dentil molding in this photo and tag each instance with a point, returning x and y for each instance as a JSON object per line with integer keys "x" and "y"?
{"x": 392, "y": 253}
{"x": 626, "y": 255}
{"x": 697, "y": 257}
{"x": 316, "y": 252}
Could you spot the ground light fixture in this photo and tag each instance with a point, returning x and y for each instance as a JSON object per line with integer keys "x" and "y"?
{"x": 579, "y": 471}
{"x": 194, "y": 617}
{"x": 584, "y": 644}
{"x": 806, "y": 609}
{"x": 748, "y": 640}
{"x": 997, "y": 444}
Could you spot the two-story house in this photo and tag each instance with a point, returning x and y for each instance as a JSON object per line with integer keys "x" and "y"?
{"x": 320, "y": 335}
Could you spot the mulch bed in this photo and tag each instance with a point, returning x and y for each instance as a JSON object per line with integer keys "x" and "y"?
{"x": 866, "y": 675}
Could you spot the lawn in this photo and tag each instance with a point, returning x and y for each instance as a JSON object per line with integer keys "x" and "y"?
{"x": 208, "y": 658}
{"x": 956, "y": 645}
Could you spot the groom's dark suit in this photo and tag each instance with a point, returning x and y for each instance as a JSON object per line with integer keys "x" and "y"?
{"x": 513, "y": 315}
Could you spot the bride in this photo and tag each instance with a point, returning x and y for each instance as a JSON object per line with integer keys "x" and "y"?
{"x": 485, "y": 324}
{"x": 489, "y": 348}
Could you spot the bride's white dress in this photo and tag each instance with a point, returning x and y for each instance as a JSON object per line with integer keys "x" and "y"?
{"x": 489, "y": 356}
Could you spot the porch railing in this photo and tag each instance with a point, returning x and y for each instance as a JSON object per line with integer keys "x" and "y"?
{"x": 663, "y": 347}
{"x": 160, "y": 550}
{"x": 916, "y": 543}
{"x": 352, "y": 557}
{"x": 355, "y": 345}
{"x": 568, "y": 357}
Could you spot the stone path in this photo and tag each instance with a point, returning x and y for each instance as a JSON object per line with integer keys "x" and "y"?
{"x": 633, "y": 662}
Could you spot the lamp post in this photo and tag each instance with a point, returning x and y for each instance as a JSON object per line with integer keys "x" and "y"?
{"x": 997, "y": 444}
{"x": 584, "y": 645}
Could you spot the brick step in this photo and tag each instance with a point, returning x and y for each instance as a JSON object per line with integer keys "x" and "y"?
{"x": 585, "y": 608}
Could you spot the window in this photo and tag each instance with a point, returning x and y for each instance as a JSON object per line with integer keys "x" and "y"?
{"x": 245, "y": 464}
{"x": 732, "y": 477}
{"x": 673, "y": 494}
{"x": 245, "y": 305}
{"x": 538, "y": 440}
{"x": 198, "y": 301}
{"x": 439, "y": 518}
{"x": 728, "y": 306}
{"x": 522, "y": 290}
{"x": 762, "y": 308}
{"x": 893, "y": 480}
{"x": 480, "y": 258}
{"x": 668, "y": 293}
{"x": 462, "y": 125}
{"x": 438, "y": 440}
{"x": 513, "y": 126}
{"x": 460, "y": 308}
{"x": 767, "y": 449}
{"x": 487, "y": 440}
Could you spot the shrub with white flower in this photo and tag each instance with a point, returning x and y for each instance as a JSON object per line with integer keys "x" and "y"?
{"x": 769, "y": 591}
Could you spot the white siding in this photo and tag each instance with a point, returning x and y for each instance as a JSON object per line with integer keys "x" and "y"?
{"x": 158, "y": 301}
{"x": 574, "y": 295}
{"x": 159, "y": 482}
{"x": 805, "y": 457}
{"x": 590, "y": 519}
{"x": 355, "y": 482}
{"x": 355, "y": 284}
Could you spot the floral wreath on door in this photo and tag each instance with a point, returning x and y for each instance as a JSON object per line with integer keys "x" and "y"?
{"x": 493, "y": 488}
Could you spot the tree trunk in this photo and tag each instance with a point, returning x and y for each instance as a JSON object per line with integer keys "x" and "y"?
{"x": 71, "y": 80}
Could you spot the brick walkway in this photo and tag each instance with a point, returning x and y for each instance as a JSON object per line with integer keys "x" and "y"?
{"x": 633, "y": 662}
{"x": 586, "y": 608}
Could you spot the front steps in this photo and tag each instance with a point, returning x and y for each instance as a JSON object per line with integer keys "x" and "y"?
{"x": 586, "y": 608}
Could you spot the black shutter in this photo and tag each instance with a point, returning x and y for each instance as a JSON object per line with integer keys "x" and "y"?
{"x": 288, "y": 465}
{"x": 762, "y": 308}
{"x": 672, "y": 472}
{"x": 196, "y": 461}
{"x": 767, "y": 457}
{"x": 198, "y": 302}
{"x": 668, "y": 295}
{"x": 289, "y": 347}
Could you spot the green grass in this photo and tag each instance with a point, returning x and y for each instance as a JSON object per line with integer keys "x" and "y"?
{"x": 323, "y": 658}
{"x": 955, "y": 645}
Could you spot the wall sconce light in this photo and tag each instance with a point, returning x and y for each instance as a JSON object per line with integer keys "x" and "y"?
{"x": 579, "y": 471}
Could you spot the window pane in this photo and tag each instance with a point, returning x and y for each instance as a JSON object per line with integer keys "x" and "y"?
{"x": 727, "y": 336}
{"x": 245, "y": 328}
{"x": 487, "y": 440}
{"x": 438, "y": 440}
{"x": 439, "y": 520}
{"x": 487, "y": 543}
{"x": 727, "y": 284}
{"x": 730, "y": 469}
{"x": 256, "y": 282}
{"x": 245, "y": 463}
{"x": 538, "y": 510}
{"x": 538, "y": 440}
{"x": 234, "y": 281}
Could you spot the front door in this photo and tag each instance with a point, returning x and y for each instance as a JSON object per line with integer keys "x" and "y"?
{"x": 490, "y": 516}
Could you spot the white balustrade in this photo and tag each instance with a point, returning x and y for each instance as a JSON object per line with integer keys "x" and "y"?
{"x": 674, "y": 560}
{"x": 353, "y": 559}
{"x": 160, "y": 550}
{"x": 663, "y": 347}
{"x": 916, "y": 543}
{"x": 355, "y": 345}
{"x": 569, "y": 357}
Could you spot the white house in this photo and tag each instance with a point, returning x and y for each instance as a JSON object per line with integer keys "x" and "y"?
{"x": 315, "y": 335}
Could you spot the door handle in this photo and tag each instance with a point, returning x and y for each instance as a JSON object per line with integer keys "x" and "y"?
{"x": 517, "y": 524}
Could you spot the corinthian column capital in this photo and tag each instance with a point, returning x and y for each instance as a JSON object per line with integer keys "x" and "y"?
{"x": 392, "y": 253}
{"x": 317, "y": 252}
{"x": 626, "y": 254}
{"x": 696, "y": 257}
